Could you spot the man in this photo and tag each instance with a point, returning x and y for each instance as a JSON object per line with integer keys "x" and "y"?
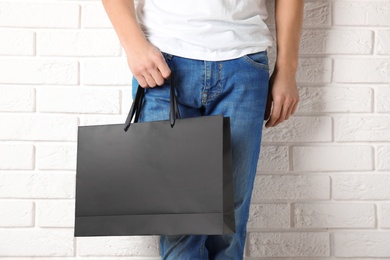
{"x": 216, "y": 51}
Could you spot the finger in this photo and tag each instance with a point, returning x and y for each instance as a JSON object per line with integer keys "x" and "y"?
{"x": 149, "y": 79}
{"x": 289, "y": 111}
{"x": 162, "y": 66}
{"x": 275, "y": 114}
{"x": 294, "y": 108}
{"x": 282, "y": 116}
{"x": 158, "y": 78}
{"x": 288, "y": 105}
{"x": 141, "y": 81}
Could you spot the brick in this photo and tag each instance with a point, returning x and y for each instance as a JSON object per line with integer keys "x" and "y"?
{"x": 369, "y": 13}
{"x": 45, "y": 15}
{"x": 314, "y": 70}
{"x": 384, "y": 215}
{"x": 16, "y": 156}
{"x": 127, "y": 100}
{"x": 37, "y": 185}
{"x": 36, "y": 242}
{"x": 269, "y": 216}
{"x": 316, "y": 14}
{"x": 78, "y": 43}
{"x": 288, "y": 244}
{"x": 38, "y": 71}
{"x": 290, "y": 187}
{"x": 335, "y": 99}
{"x": 362, "y": 244}
{"x": 118, "y": 246}
{"x": 333, "y": 158}
{"x": 358, "y": 70}
{"x": 17, "y": 99}
{"x": 55, "y": 213}
{"x": 361, "y": 187}
{"x": 106, "y": 72}
{"x": 273, "y": 159}
{"x": 332, "y": 215}
{"x": 16, "y": 213}
{"x": 382, "y": 41}
{"x": 56, "y": 157}
{"x": 336, "y": 42}
{"x": 362, "y": 128}
{"x": 16, "y": 42}
{"x": 38, "y": 127}
{"x": 382, "y": 97}
{"x": 383, "y": 157}
{"x": 78, "y": 100}
{"x": 94, "y": 16}
{"x": 295, "y": 130}
{"x": 101, "y": 120}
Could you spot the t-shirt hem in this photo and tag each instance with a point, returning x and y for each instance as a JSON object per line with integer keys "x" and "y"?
{"x": 215, "y": 56}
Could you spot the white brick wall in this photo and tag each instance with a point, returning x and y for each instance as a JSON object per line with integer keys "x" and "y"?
{"x": 323, "y": 184}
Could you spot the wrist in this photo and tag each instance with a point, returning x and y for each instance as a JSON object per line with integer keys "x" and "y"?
{"x": 286, "y": 68}
{"x": 286, "y": 60}
{"x": 136, "y": 42}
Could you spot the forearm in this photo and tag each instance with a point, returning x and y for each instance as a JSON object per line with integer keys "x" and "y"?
{"x": 288, "y": 21}
{"x": 123, "y": 18}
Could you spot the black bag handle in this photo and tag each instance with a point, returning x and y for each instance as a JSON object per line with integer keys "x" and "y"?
{"x": 137, "y": 105}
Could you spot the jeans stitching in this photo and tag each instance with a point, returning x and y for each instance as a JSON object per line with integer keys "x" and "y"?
{"x": 202, "y": 247}
{"x": 255, "y": 63}
{"x": 219, "y": 89}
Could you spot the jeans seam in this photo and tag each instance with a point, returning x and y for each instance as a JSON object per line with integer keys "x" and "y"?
{"x": 202, "y": 247}
{"x": 219, "y": 89}
{"x": 205, "y": 90}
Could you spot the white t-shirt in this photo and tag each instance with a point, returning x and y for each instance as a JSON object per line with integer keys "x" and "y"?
{"x": 205, "y": 29}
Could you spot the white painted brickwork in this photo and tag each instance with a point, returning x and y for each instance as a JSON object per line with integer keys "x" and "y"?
{"x": 323, "y": 184}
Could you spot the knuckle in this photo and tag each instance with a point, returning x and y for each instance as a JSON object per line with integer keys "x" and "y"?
{"x": 279, "y": 98}
{"x": 149, "y": 65}
{"x": 139, "y": 70}
{"x": 136, "y": 71}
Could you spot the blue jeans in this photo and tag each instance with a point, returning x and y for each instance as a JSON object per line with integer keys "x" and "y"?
{"x": 235, "y": 88}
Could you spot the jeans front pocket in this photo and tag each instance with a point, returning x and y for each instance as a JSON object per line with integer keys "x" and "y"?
{"x": 257, "y": 59}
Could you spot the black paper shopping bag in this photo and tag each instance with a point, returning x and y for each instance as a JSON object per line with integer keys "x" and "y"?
{"x": 170, "y": 177}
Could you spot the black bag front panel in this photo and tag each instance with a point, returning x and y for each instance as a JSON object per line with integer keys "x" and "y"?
{"x": 153, "y": 172}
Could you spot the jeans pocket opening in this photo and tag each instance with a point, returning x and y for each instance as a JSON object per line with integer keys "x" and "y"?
{"x": 258, "y": 59}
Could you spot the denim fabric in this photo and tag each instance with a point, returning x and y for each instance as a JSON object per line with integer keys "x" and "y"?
{"x": 236, "y": 88}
